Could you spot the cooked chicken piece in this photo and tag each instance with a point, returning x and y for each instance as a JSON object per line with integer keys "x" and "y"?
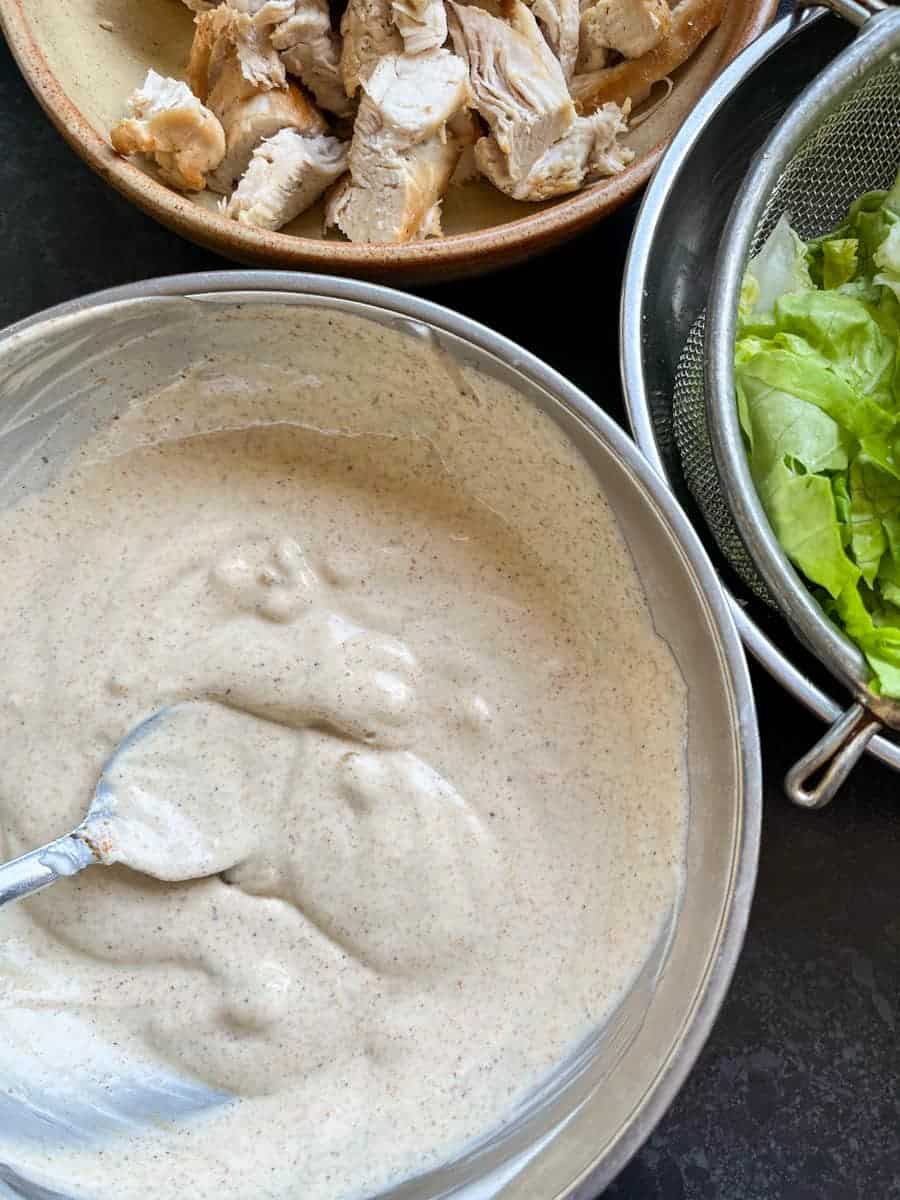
{"x": 422, "y": 24}
{"x": 467, "y": 169}
{"x": 266, "y": 13}
{"x": 691, "y": 22}
{"x": 257, "y": 118}
{"x": 248, "y": 6}
{"x": 517, "y": 83}
{"x": 496, "y": 8}
{"x": 369, "y": 34}
{"x": 232, "y": 56}
{"x": 170, "y": 124}
{"x": 311, "y": 50}
{"x": 591, "y": 57}
{"x": 593, "y": 54}
{"x": 287, "y": 174}
{"x": 205, "y": 35}
{"x": 335, "y": 198}
{"x": 630, "y": 27}
{"x": 589, "y": 150}
{"x": 466, "y": 128}
{"x": 235, "y": 68}
{"x": 431, "y": 225}
{"x": 559, "y": 21}
{"x": 401, "y": 203}
{"x": 404, "y": 148}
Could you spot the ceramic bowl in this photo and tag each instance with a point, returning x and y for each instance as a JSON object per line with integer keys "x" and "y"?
{"x": 82, "y": 58}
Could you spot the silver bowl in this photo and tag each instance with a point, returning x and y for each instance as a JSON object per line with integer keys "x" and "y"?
{"x": 668, "y": 279}
{"x": 78, "y": 364}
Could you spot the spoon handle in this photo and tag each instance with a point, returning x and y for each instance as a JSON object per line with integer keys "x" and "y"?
{"x": 39, "y": 868}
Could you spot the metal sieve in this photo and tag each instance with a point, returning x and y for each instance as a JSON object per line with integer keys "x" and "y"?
{"x": 841, "y": 138}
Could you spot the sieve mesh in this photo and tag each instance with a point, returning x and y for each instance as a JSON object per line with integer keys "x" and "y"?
{"x": 697, "y": 462}
{"x": 855, "y": 149}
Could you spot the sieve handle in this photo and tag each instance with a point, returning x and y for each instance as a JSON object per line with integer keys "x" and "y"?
{"x": 835, "y": 755}
{"x": 857, "y": 12}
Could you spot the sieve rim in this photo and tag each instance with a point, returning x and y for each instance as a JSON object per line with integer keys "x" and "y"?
{"x": 863, "y": 58}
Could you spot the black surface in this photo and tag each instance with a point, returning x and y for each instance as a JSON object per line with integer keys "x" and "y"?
{"x": 796, "y": 1094}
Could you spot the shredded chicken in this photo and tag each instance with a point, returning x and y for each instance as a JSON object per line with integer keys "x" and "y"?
{"x": 691, "y": 22}
{"x": 422, "y": 24}
{"x": 560, "y": 21}
{"x": 517, "y": 83}
{"x": 311, "y": 50}
{"x": 287, "y": 174}
{"x": 589, "y": 150}
{"x": 404, "y": 148}
{"x": 369, "y": 34}
{"x": 169, "y": 124}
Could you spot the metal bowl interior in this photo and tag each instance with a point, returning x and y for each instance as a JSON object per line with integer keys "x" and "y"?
{"x": 83, "y": 58}
{"x": 667, "y": 284}
{"x": 76, "y": 366}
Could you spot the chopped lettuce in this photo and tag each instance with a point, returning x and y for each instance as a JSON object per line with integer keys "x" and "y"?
{"x": 840, "y": 260}
{"x": 779, "y": 269}
{"x": 818, "y": 391}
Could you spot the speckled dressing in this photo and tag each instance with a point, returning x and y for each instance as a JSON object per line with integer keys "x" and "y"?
{"x": 435, "y": 776}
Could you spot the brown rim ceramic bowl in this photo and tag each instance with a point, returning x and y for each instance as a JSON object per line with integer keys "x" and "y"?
{"x": 82, "y": 58}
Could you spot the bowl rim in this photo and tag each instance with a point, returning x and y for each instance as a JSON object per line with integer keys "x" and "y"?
{"x": 712, "y": 988}
{"x": 530, "y": 233}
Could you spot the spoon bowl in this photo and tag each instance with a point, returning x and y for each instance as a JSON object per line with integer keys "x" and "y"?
{"x": 144, "y": 815}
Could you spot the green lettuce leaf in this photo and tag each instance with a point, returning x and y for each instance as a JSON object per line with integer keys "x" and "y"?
{"x": 840, "y": 258}
{"x": 795, "y": 369}
{"x": 802, "y": 512}
{"x": 782, "y": 425}
{"x": 889, "y": 580}
{"x": 840, "y": 487}
{"x": 874, "y": 495}
{"x": 779, "y": 269}
{"x": 841, "y": 329}
{"x": 818, "y": 393}
{"x": 882, "y": 650}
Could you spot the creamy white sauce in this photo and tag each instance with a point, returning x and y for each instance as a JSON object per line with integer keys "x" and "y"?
{"x": 435, "y": 788}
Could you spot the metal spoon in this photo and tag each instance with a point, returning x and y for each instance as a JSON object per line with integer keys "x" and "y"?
{"x": 178, "y": 850}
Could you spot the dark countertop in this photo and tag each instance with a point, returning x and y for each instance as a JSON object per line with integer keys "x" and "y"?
{"x": 797, "y": 1094}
